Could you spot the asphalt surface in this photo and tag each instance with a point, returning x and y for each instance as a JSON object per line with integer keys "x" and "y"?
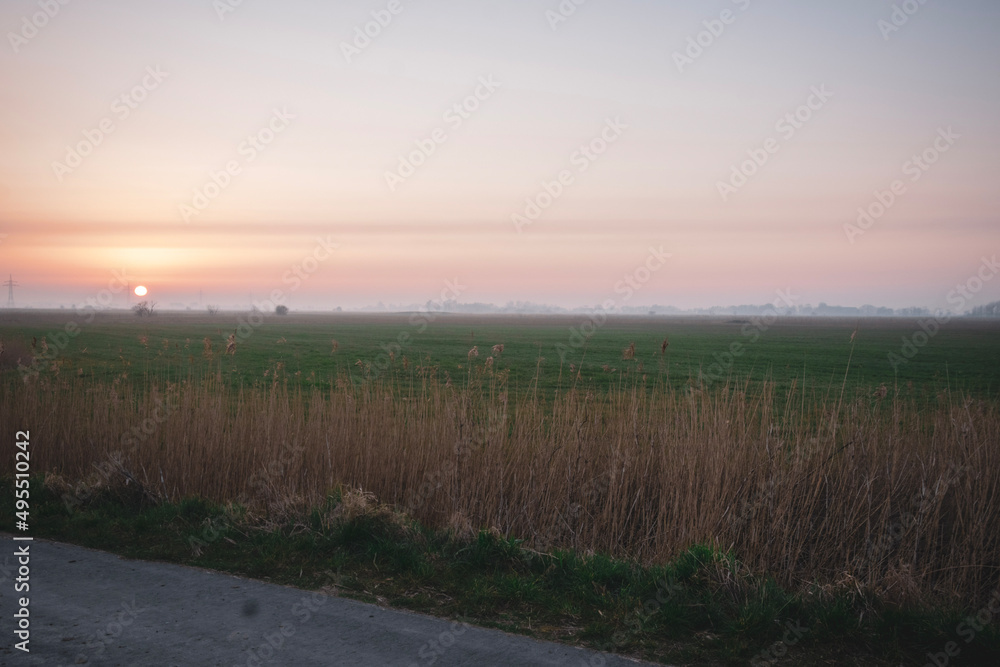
{"x": 89, "y": 607}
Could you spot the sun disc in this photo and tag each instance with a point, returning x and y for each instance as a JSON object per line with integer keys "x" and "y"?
{"x": 140, "y": 291}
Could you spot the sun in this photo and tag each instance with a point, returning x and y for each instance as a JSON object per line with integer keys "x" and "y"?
{"x": 140, "y": 291}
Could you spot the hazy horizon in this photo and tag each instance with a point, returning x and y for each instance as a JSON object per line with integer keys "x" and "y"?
{"x": 124, "y": 302}
{"x": 239, "y": 150}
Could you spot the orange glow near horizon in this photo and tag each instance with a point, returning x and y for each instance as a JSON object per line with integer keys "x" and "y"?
{"x": 221, "y": 192}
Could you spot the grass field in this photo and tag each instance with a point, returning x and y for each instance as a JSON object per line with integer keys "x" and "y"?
{"x": 813, "y": 480}
{"x": 540, "y": 352}
{"x": 702, "y": 608}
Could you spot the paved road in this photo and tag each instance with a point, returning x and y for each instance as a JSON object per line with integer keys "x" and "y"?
{"x": 91, "y": 607}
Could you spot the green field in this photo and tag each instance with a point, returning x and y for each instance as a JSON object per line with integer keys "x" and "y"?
{"x": 556, "y": 514}
{"x": 814, "y": 353}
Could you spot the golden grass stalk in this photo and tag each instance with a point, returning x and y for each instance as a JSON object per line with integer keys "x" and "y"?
{"x": 898, "y": 496}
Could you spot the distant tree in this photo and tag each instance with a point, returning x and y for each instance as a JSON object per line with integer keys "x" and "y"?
{"x": 281, "y": 310}
{"x": 989, "y": 310}
{"x": 213, "y": 310}
{"x": 144, "y": 309}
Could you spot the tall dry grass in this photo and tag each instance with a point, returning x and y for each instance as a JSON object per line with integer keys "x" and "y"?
{"x": 891, "y": 496}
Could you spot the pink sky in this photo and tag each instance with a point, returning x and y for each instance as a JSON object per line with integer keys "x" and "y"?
{"x": 166, "y": 100}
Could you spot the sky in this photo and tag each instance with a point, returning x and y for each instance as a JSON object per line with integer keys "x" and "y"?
{"x": 343, "y": 154}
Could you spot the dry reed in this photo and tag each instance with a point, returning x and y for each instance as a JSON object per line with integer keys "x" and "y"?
{"x": 898, "y": 497}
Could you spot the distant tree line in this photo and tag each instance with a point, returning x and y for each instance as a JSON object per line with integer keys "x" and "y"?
{"x": 989, "y": 310}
